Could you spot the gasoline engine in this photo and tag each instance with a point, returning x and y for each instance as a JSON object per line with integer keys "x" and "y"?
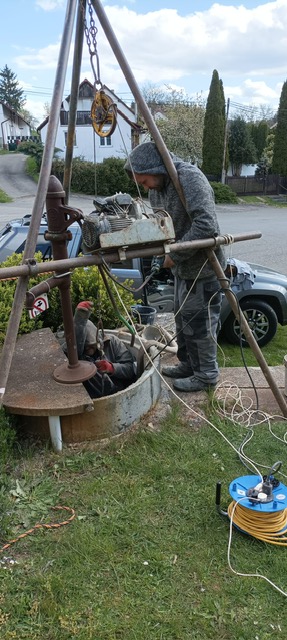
{"x": 121, "y": 221}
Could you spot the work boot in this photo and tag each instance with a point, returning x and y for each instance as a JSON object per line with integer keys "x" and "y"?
{"x": 193, "y": 384}
{"x": 181, "y": 370}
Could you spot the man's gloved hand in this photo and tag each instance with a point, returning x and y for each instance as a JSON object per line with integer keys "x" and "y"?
{"x": 104, "y": 366}
{"x": 86, "y": 304}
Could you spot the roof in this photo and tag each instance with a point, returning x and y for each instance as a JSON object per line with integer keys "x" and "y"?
{"x": 13, "y": 111}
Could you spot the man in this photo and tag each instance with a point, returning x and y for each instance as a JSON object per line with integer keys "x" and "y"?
{"x": 197, "y": 290}
{"x": 116, "y": 367}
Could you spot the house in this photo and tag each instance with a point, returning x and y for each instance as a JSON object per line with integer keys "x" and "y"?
{"x": 14, "y": 128}
{"x": 88, "y": 144}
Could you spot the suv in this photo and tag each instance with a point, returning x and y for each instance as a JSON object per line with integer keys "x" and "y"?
{"x": 264, "y": 301}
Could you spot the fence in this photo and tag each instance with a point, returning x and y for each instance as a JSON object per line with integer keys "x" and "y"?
{"x": 250, "y": 185}
{"x": 13, "y": 141}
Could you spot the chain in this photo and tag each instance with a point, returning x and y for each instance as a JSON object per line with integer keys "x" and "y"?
{"x": 91, "y": 38}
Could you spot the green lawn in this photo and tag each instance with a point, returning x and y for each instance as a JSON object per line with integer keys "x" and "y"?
{"x": 274, "y": 352}
{"x": 4, "y": 197}
{"x": 146, "y": 555}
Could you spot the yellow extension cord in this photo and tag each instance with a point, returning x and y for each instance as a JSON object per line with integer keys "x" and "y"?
{"x": 263, "y": 526}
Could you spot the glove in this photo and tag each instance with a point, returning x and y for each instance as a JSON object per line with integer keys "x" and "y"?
{"x": 86, "y": 304}
{"x": 104, "y": 366}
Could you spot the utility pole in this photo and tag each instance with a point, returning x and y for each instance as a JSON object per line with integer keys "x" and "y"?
{"x": 223, "y": 173}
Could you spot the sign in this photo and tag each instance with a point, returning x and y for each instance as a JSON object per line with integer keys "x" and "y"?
{"x": 40, "y": 304}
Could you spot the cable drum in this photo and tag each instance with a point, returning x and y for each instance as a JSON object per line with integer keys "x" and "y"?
{"x": 263, "y": 519}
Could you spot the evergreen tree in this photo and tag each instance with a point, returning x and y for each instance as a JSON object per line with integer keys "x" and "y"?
{"x": 10, "y": 90}
{"x": 280, "y": 142}
{"x": 214, "y": 128}
{"x": 242, "y": 149}
{"x": 259, "y": 131}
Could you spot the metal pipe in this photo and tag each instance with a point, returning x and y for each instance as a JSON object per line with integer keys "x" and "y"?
{"x": 143, "y": 107}
{"x": 247, "y": 331}
{"x": 17, "y": 307}
{"x": 73, "y": 104}
{"x": 56, "y": 433}
{"x": 34, "y": 268}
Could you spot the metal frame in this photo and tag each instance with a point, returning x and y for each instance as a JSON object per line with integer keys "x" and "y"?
{"x": 25, "y": 269}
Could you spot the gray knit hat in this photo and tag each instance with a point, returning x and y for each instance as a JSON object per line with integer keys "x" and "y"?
{"x": 92, "y": 338}
{"x": 145, "y": 159}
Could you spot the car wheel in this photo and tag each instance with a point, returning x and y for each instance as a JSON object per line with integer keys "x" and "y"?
{"x": 262, "y": 321}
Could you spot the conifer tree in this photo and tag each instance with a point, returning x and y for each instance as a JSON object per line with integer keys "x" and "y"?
{"x": 214, "y": 128}
{"x": 10, "y": 90}
{"x": 279, "y": 165}
{"x": 242, "y": 149}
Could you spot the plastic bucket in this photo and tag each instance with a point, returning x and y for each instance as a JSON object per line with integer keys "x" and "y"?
{"x": 143, "y": 315}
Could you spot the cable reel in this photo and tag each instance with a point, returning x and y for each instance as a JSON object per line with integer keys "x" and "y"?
{"x": 259, "y": 506}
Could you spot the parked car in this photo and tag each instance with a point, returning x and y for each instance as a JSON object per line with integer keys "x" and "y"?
{"x": 264, "y": 302}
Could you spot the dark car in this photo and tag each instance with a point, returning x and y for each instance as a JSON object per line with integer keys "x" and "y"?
{"x": 264, "y": 300}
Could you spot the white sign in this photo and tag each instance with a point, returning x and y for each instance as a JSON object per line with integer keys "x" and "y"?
{"x": 40, "y": 304}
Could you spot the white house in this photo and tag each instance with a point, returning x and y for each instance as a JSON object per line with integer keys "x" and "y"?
{"x": 14, "y": 128}
{"x": 88, "y": 144}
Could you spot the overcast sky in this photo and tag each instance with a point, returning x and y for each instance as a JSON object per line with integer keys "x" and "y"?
{"x": 167, "y": 42}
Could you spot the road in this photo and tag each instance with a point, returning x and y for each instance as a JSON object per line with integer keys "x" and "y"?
{"x": 269, "y": 250}
{"x": 15, "y": 182}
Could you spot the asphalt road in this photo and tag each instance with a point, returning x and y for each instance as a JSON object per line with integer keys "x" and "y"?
{"x": 270, "y": 250}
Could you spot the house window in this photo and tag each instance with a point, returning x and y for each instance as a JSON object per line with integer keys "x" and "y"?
{"x": 83, "y": 117}
{"x": 106, "y": 141}
{"x": 66, "y": 134}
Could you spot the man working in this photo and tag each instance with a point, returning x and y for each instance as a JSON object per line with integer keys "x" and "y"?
{"x": 116, "y": 367}
{"x": 197, "y": 292}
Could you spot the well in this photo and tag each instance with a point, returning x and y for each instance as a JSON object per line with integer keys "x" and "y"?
{"x": 65, "y": 412}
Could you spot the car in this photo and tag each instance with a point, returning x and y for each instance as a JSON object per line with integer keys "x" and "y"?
{"x": 263, "y": 301}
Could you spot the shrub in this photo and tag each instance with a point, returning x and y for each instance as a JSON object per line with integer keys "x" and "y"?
{"x": 108, "y": 178}
{"x": 223, "y": 194}
{"x": 33, "y": 149}
{"x": 86, "y": 284}
{"x": 7, "y": 293}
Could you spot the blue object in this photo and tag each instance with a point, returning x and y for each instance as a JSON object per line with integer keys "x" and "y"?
{"x": 238, "y": 489}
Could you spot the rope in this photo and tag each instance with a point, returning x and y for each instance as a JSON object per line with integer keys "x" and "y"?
{"x": 55, "y": 525}
{"x": 263, "y": 526}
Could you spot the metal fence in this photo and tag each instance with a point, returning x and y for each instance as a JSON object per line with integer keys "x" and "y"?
{"x": 251, "y": 185}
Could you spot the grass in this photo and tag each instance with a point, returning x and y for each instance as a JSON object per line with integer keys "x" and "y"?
{"x": 145, "y": 557}
{"x": 32, "y": 169}
{"x": 4, "y": 197}
{"x": 260, "y": 200}
{"x": 273, "y": 352}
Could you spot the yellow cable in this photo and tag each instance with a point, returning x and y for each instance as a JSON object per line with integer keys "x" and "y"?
{"x": 263, "y": 526}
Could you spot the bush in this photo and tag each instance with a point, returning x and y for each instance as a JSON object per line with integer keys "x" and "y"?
{"x": 86, "y": 284}
{"x": 223, "y": 194}
{"x": 33, "y": 149}
{"x": 7, "y": 293}
{"x": 110, "y": 176}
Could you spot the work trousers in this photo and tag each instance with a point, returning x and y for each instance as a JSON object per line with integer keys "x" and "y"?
{"x": 197, "y": 325}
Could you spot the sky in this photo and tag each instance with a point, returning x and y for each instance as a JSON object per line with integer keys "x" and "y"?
{"x": 167, "y": 43}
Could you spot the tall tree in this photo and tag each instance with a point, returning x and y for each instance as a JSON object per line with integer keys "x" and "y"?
{"x": 242, "y": 149}
{"x": 181, "y": 127}
{"x": 259, "y": 131}
{"x": 10, "y": 90}
{"x": 280, "y": 142}
{"x": 214, "y": 128}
